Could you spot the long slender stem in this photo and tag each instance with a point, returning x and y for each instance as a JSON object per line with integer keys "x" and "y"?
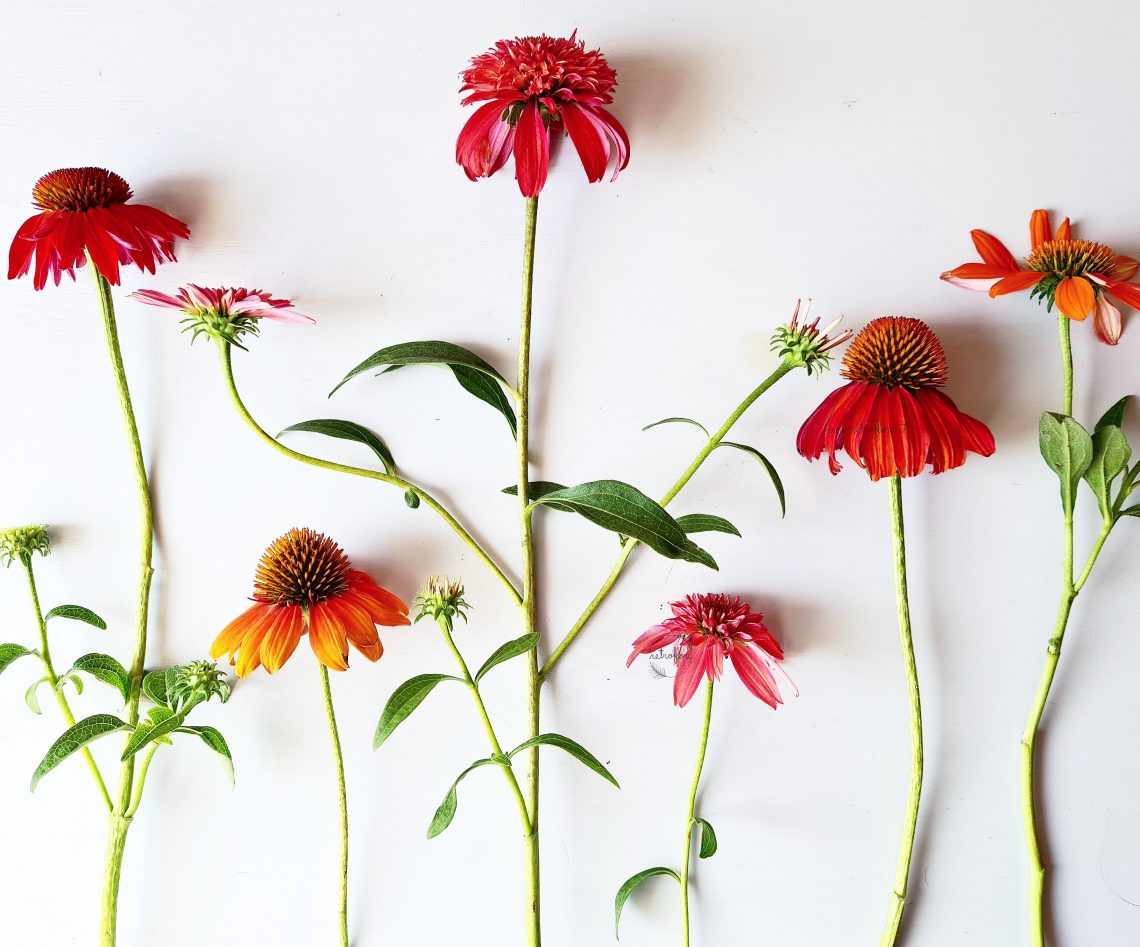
{"x": 140, "y": 780}
{"x": 53, "y": 679}
{"x": 1064, "y": 326}
{"x": 338, "y": 755}
{"x": 713, "y": 442}
{"x": 225, "y": 353}
{"x": 898, "y": 895}
{"x": 120, "y": 821}
{"x": 528, "y": 605}
{"x": 691, "y": 819}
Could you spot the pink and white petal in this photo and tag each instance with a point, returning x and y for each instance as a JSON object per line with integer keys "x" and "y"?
{"x": 1108, "y": 324}
{"x": 690, "y": 670}
{"x": 152, "y": 297}
{"x": 278, "y": 314}
{"x": 653, "y": 640}
{"x": 755, "y": 675}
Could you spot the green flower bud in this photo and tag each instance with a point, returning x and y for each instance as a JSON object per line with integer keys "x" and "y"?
{"x": 20, "y": 542}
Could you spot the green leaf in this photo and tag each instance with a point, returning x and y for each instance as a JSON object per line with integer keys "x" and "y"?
{"x": 537, "y": 489}
{"x": 412, "y": 499}
{"x": 30, "y": 697}
{"x": 105, "y": 668}
{"x": 624, "y": 509}
{"x": 694, "y": 553}
{"x": 422, "y": 353}
{"x": 708, "y": 839}
{"x": 154, "y": 687}
{"x": 488, "y": 390}
{"x": 347, "y": 431}
{"x": 1068, "y": 449}
{"x": 576, "y": 750}
{"x": 1114, "y": 416}
{"x": 446, "y": 811}
{"x": 74, "y": 680}
{"x": 512, "y": 649}
{"x": 75, "y": 738}
{"x": 706, "y": 523}
{"x": 1131, "y": 511}
{"x": 768, "y": 466}
{"x": 678, "y": 421}
{"x": 631, "y": 885}
{"x": 405, "y": 698}
{"x": 10, "y": 653}
{"x": 78, "y": 613}
{"x": 1111, "y": 453}
{"x": 216, "y": 742}
{"x": 160, "y": 721}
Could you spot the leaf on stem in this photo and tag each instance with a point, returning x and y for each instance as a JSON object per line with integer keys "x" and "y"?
{"x": 512, "y": 649}
{"x": 154, "y": 687}
{"x": 1110, "y": 455}
{"x": 160, "y": 721}
{"x": 708, "y": 839}
{"x": 31, "y": 698}
{"x": 216, "y": 742}
{"x": 10, "y": 653}
{"x": 1068, "y": 449}
{"x": 77, "y": 613}
{"x": 75, "y": 738}
{"x": 767, "y": 465}
{"x": 105, "y": 668}
{"x": 446, "y": 811}
{"x": 487, "y": 390}
{"x": 576, "y": 750}
{"x": 706, "y": 523}
{"x": 347, "y": 431}
{"x": 631, "y": 885}
{"x": 678, "y": 421}
{"x": 405, "y": 698}
{"x": 1114, "y": 416}
{"x": 537, "y": 489}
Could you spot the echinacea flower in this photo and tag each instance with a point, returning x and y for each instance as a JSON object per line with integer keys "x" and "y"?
{"x": 223, "y": 313}
{"x": 1078, "y": 276}
{"x": 86, "y": 214}
{"x": 703, "y": 630}
{"x": 305, "y": 582}
{"x": 529, "y": 87}
{"x": 805, "y": 343}
{"x": 890, "y": 417}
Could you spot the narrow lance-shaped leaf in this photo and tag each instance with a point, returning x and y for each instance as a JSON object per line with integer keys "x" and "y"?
{"x": 1114, "y": 416}
{"x": 32, "y": 699}
{"x": 446, "y": 811}
{"x": 767, "y": 465}
{"x": 74, "y": 739}
{"x": 77, "y": 613}
{"x": 347, "y": 431}
{"x": 216, "y": 742}
{"x": 677, "y": 421}
{"x": 105, "y": 668}
{"x": 512, "y": 649}
{"x": 631, "y": 885}
{"x": 576, "y": 750}
{"x": 422, "y": 353}
{"x": 708, "y": 839}
{"x": 10, "y": 653}
{"x": 537, "y": 489}
{"x": 160, "y": 721}
{"x": 405, "y": 698}
{"x": 487, "y": 390}
{"x": 706, "y": 523}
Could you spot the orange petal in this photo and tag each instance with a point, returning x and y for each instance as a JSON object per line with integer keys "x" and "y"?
{"x": 1065, "y": 231}
{"x": 1124, "y": 268}
{"x": 1127, "y": 293}
{"x": 992, "y": 250}
{"x": 357, "y": 624}
{"x": 384, "y": 607}
{"x": 230, "y": 638}
{"x": 327, "y": 638}
{"x": 1040, "y": 229}
{"x": 249, "y": 656}
{"x": 979, "y": 271}
{"x": 282, "y": 638}
{"x": 1075, "y": 297}
{"x": 1016, "y": 283}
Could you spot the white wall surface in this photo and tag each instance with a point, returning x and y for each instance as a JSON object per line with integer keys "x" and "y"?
{"x": 836, "y": 150}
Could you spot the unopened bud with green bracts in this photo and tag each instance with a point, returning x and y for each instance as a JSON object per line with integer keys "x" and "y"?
{"x": 19, "y": 542}
{"x": 441, "y": 599}
{"x": 805, "y": 344}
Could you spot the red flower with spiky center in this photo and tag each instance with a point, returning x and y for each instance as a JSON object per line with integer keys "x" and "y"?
{"x": 85, "y": 213}
{"x": 891, "y": 418}
{"x": 1078, "y": 276}
{"x": 305, "y": 582}
{"x": 531, "y": 86}
{"x": 703, "y": 630}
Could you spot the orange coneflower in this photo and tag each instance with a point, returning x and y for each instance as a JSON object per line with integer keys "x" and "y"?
{"x": 305, "y": 582}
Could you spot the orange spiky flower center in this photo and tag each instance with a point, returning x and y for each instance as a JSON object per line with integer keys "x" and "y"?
{"x": 1071, "y": 258}
{"x": 79, "y": 189}
{"x": 301, "y": 568}
{"x": 895, "y": 351}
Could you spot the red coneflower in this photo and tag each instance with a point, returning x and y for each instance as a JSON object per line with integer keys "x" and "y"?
{"x": 85, "y": 214}
{"x": 891, "y": 418}
{"x": 530, "y": 86}
{"x": 305, "y": 582}
{"x": 703, "y": 630}
{"x": 223, "y": 312}
{"x": 1078, "y": 276}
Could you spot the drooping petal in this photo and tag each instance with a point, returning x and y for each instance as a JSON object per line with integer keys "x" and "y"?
{"x": 1123, "y": 269}
{"x": 383, "y": 607}
{"x": 591, "y": 148}
{"x": 480, "y": 146}
{"x": 358, "y": 625}
{"x": 282, "y": 637}
{"x": 1108, "y": 323}
{"x": 656, "y": 638}
{"x": 230, "y": 637}
{"x": 1127, "y": 293}
{"x": 1016, "y": 282}
{"x": 23, "y": 248}
{"x": 249, "y": 654}
{"x": 1040, "y": 229}
{"x": 532, "y": 151}
{"x": 1075, "y": 297}
{"x": 755, "y": 675}
{"x": 993, "y": 252}
{"x": 327, "y": 637}
{"x": 690, "y": 670}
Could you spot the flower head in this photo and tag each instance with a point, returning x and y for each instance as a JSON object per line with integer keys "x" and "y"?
{"x": 19, "y": 542}
{"x": 1078, "y": 276}
{"x": 196, "y": 683}
{"x": 305, "y": 582}
{"x": 442, "y": 600}
{"x": 890, "y": 417}
{"x": 86, "y": 214}
{"x": 225, "y": 314}
{"x": 703, "y": 630}
{"x": 806, "y": 344}
{"x": 529, "y": 87}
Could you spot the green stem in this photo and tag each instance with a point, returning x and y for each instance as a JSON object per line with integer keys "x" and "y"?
{"x": 140, "y": 781}
{"x": 225, "y": 353}
{"x": 343, "y": 794}
{"x": 53, "y": 679}
{"x": 120, "y": 822}
{"x": 898, "y": 895}
{"x": 526, "y": 538}
{"x": 691, "y": 820}
{"x": 629, "y": 545}
{"x": 1065, "y": 328}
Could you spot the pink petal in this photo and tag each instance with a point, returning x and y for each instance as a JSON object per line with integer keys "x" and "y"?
{"x": 690, "y": 670}
{"x": 755, "y": 674}
{"x": 1107, "y": 321}
{"x": 532, "y": 151}
{"x": 152, "y": 297}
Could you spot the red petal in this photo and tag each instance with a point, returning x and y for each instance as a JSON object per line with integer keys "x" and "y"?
{"x": 480, "y": 146}
{"x": 755, "y": 674}
{"x": 654, "y": 639}
{"x": 690, "y": 670}
{"x": 993, "y": 251}
{"x": 1127, "y": 293}
{"x": 532, "y": 151}
{"x": 591, "y": 148}
{"x": 1016, "y": 283}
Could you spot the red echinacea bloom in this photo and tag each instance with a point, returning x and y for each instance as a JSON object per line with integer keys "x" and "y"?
{"x": 85, "y": 213}
{"x": 890, "y": 417}
{"x": 703, "y": 630}
{"x": 529, "y": 87}
{"x": 1078, "y": 276}
{"x": 305, "y": 582}
{"x": 223, "y": 312}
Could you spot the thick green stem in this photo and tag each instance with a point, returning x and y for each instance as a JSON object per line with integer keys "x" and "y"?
{"x": 713, "y": 442}
{"x": 1065, "y": 329}
{"x": 120, "y": 821}
{"x": 342, "y": 792}
{"x": 53, "y": 679}
{"x": 691, "y": 819}
{"x": 914, "y": 795}
{"x": 528, "y": 605}
{"x": 225, "y": 352}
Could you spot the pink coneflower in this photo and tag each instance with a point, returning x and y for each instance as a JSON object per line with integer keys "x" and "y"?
{"x": 530, "y": 86}
{"x": 223, "y": 312}
{"x": 706, "y": 627}
{"x": 85, "y": 213}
